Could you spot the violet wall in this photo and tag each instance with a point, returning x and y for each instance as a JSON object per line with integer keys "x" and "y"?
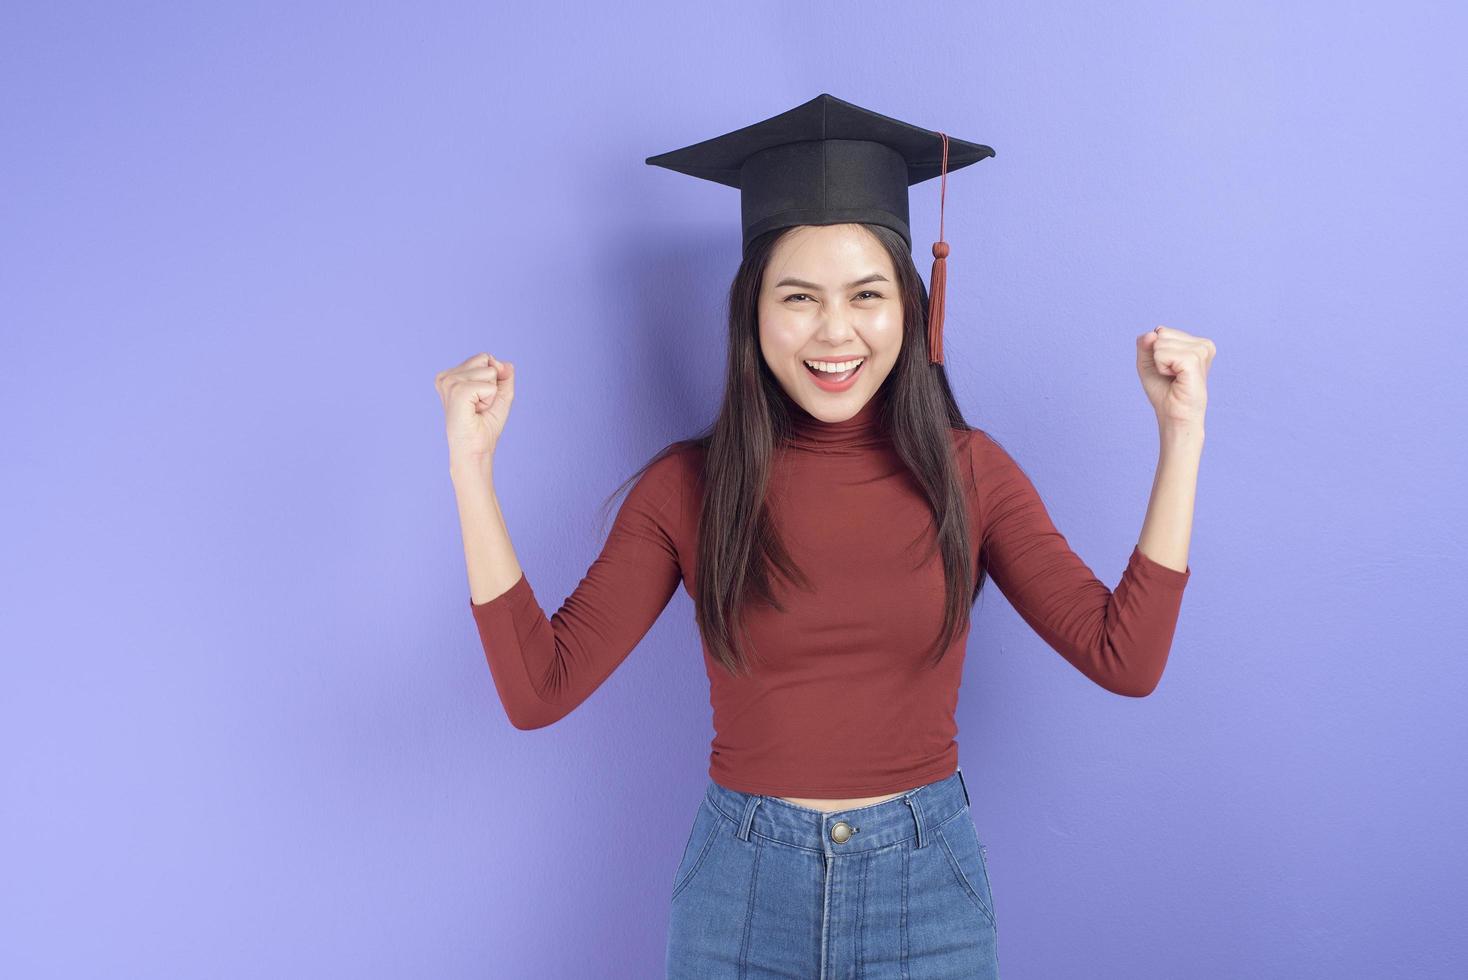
{"x": 248, "y": 730}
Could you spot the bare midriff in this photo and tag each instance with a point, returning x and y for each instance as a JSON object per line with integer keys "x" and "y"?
{"x": 830, "y": 806}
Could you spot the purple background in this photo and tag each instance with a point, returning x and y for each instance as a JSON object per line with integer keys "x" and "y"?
{"x": 248, "y": 729}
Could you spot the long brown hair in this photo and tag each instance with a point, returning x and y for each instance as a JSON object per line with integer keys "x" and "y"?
{"x": 738, "y": 546}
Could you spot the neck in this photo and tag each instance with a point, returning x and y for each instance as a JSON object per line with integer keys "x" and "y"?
{"x": 862, "y": 430}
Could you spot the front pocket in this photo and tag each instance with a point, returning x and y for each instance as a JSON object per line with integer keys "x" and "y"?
{"x": 967, "y": 860}
{"x": 700, "y": 839}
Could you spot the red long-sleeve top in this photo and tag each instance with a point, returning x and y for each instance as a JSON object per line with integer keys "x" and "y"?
{"x": 842, "y": 702}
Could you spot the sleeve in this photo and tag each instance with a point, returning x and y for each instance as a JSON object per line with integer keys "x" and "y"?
{"x": 1119, "y": 638}
{"x": 543, "y": 668}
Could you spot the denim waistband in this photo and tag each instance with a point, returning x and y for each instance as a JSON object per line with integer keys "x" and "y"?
{"x": 913, "y": 814}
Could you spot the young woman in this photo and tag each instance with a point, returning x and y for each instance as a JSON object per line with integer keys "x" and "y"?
{"x": 833, "y": 527}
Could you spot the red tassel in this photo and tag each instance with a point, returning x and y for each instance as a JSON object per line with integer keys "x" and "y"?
{"x": 937, "y": 288}
{"x": 938, "y": 281}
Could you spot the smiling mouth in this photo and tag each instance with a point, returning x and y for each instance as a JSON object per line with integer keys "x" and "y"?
{"x": 835, "y": 377}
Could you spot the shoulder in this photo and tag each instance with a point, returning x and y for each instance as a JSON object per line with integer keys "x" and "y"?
{"x": 668, "y": 477}
{"x": 990, "y": 464}
{"x": 677, "y": 464}
{"x": 979, "y": 448}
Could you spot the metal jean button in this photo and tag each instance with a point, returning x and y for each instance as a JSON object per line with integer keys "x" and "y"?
{"x": 841, "y": 831}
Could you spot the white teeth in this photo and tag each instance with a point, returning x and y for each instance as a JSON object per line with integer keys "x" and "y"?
{"x": 830, "y": 368}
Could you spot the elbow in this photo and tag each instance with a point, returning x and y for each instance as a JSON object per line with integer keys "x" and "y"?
{"x": 1133, "y": 673}
{"x": 1135, "y": 687}
{"x": 527, "y": 723}
{"x": 527, "y": 717}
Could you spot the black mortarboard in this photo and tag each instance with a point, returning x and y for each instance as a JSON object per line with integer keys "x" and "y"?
{"x": 826, "y": 162}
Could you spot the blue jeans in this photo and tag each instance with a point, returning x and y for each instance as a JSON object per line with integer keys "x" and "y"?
{"x": 898, "y": 889}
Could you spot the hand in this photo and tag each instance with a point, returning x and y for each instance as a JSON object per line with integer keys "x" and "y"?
{"x": 476, "y": 402}
{"x": 1174, "y": 366}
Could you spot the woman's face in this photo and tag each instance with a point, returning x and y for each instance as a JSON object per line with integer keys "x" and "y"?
{"x": 830, "y": 294}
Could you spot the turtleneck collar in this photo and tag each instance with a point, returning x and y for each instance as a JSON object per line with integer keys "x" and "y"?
{"x": 862, "y": 430}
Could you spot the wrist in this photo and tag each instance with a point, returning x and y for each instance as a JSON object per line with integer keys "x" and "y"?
{"x": 476, "y": 471}
{"x": 1180, "y": 435}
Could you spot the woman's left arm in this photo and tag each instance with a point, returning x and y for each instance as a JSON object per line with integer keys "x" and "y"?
{"x": 1173, "y": 366}
{"x": 1119, "y": 638}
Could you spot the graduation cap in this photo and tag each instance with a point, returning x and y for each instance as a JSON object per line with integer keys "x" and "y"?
{"x": 827, "y": 162}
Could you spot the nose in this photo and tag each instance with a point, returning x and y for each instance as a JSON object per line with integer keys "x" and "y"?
{"x": 834, "y": 329}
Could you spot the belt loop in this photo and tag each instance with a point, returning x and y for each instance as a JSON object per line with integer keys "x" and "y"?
{"x": 750, "y": 805}
{"x": 964, "y": 785}
{"x": 917, "y": 818}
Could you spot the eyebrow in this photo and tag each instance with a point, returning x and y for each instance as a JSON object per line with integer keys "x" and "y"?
{"x": 791, "y": 281}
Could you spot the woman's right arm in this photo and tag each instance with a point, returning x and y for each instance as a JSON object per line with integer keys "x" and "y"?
{"x": 488, "y": 554}
{"x": 476, "y": 397}
{"x": 545, "y": 666}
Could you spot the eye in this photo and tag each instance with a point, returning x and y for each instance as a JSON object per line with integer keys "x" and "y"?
{"x": 864, "y": 292}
